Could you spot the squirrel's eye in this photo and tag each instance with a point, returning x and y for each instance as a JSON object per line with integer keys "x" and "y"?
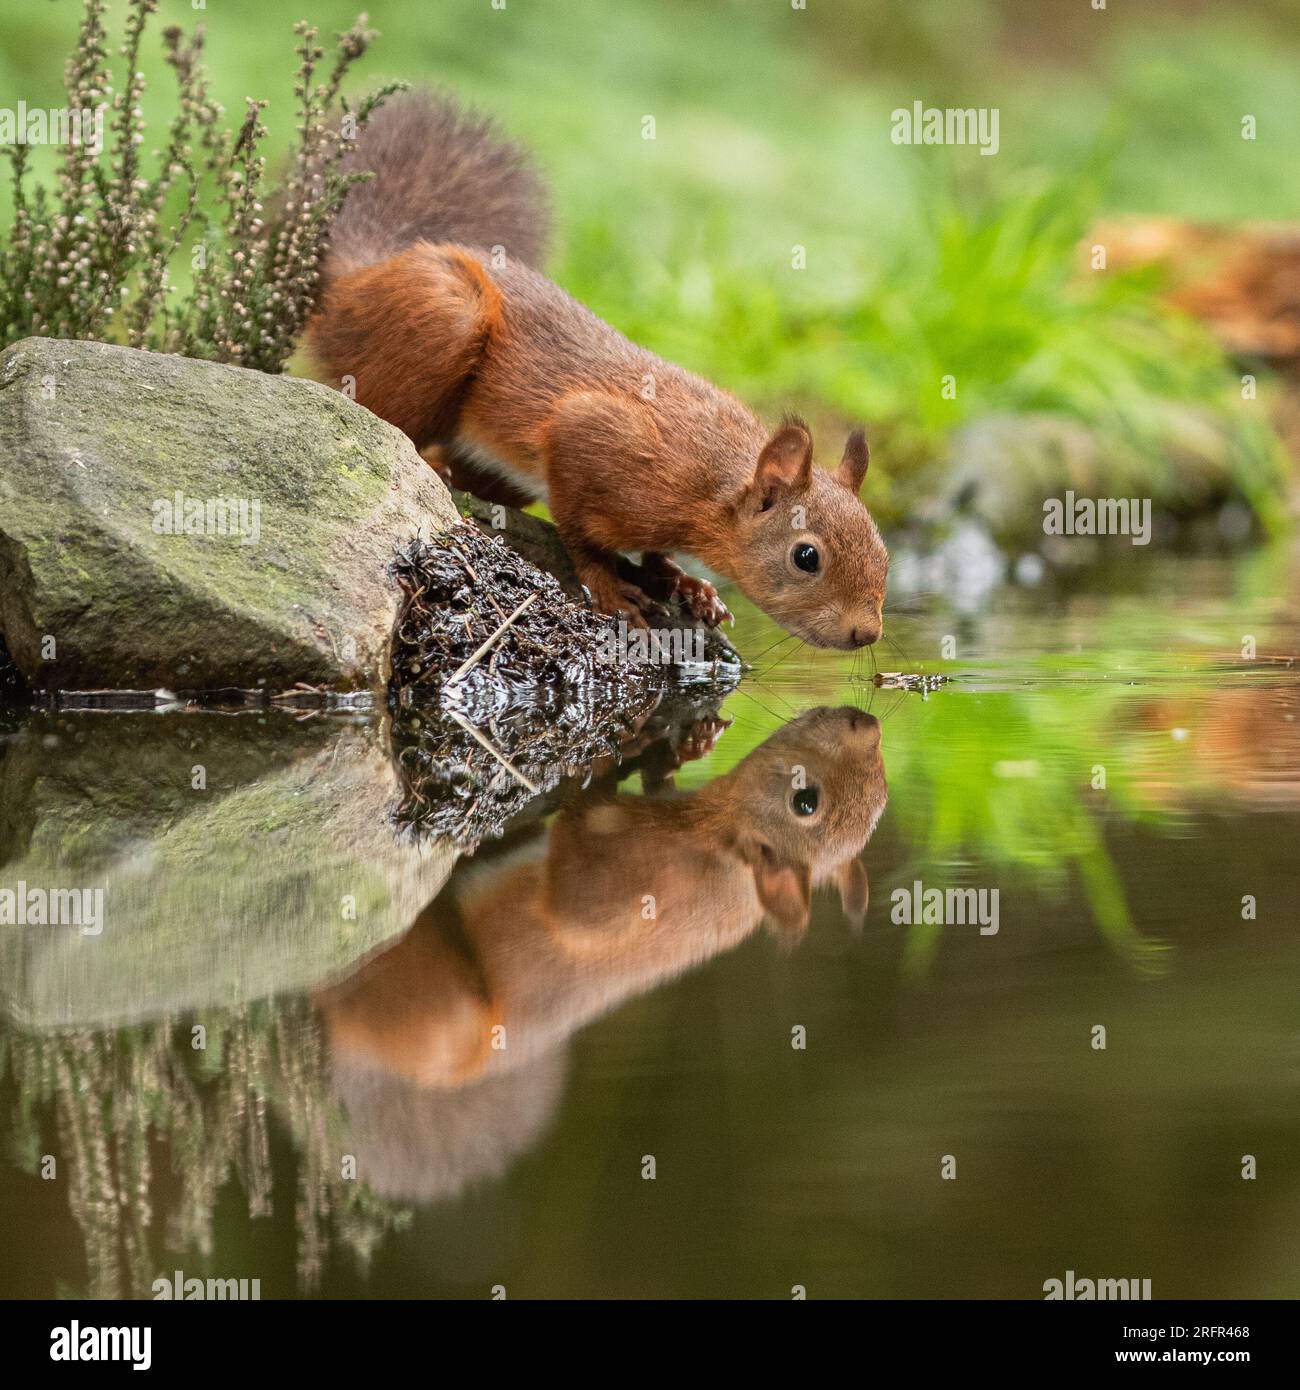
{"x": 805, "y": 801}
{"x": 806, "y": 558}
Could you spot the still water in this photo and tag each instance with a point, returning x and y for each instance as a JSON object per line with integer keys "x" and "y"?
{"x": 313, "y": 1047}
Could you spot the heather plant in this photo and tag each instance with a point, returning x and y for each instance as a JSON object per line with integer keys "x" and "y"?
{"x": 111, "y": 1096}
{"x": 91, "y": 256}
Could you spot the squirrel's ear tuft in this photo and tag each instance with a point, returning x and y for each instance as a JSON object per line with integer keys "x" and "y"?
{"x": 853, "y": 466}
{"x": 786, "y": 462}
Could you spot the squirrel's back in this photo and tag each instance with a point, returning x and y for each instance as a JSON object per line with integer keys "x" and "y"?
{"x": 441, "y": 174}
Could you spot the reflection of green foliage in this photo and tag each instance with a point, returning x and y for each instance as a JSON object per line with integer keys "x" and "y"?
{"x": 995, "y": 770}
{"x": 113, "y": 1095}
{"x": 1008, "y": 782}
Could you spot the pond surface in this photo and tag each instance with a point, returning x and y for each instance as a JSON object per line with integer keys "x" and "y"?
{"x": 307, "y": 1049}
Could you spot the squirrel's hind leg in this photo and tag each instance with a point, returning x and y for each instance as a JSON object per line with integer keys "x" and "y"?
{"x": 609, "y": 590}
{"x": 408, "y": 335}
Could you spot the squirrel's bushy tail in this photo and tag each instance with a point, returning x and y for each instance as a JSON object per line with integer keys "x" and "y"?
{"x": 441, "y": 173}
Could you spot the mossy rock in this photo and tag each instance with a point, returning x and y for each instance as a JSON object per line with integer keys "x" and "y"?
{"x": 279, "y": 874}
{"x": 96, "y": 444}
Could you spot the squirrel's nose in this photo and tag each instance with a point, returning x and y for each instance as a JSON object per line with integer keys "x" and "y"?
{"x": 865, "y": 633}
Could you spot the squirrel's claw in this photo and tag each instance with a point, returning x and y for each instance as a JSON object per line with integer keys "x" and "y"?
{"x": 701, "y": 601}
{"x": 699, "y": 742}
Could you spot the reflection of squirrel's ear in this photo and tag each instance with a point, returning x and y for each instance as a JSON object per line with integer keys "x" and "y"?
{"x": 855, "y": 891}
{"x": 785, "y": 890}
{"x": 786, "y": 462}
{"x": 853, "y": 466}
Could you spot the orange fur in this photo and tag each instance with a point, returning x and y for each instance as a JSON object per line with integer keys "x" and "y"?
{"x": 540, "y": 947}
{"x": 480, "y": 354}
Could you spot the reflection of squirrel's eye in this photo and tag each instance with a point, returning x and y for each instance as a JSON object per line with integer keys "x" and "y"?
{"x": 805, "y": 801}
{"x": 805, "y": 557}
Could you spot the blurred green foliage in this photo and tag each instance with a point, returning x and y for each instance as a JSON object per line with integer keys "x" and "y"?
{"x": 772, "y": 130}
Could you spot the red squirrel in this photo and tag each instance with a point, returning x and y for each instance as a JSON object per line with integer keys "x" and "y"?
{"x": 431, "y": 305}
{"x": 615, "y": 895}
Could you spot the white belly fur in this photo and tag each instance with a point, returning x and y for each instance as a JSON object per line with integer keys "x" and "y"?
{"x": 489, "y": 463}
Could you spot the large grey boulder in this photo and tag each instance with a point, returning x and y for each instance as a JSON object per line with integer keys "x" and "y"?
{"x": 234, "y": 858}
{"x": 170, "y": 522}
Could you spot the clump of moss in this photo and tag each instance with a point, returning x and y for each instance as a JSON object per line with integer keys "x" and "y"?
{"x": 91, "y": 257}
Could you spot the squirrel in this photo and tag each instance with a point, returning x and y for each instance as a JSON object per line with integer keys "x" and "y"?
{"x": 554, "y": 933}
{"x": 432, "y": 305}
{"x": 449, "y": 1049}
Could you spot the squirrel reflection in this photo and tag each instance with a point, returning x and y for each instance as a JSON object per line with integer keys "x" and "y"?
{"x": 449, "y": 1049}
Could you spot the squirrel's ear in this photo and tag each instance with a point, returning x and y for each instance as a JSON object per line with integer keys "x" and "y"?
{"x": 853, "y": 466}
{"x": 855, "y": 891}
{"x": 785, "y": 890}
{"x": 786, "y": 462}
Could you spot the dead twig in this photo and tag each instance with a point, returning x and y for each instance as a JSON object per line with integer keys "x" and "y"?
{"x": 505, "y": 762}
{"x": 477, "y": 656}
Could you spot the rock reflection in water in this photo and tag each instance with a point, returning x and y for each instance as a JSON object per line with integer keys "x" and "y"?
{"x": 243, "y": 861}
{"x": 231, "y": 998}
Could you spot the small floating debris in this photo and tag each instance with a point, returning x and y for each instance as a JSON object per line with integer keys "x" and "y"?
{"x": 909, "y": 680}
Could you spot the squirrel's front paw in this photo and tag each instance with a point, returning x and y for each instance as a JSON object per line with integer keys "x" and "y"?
{"x": 701, "y": 601}
{"x": 700, "y": 738}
